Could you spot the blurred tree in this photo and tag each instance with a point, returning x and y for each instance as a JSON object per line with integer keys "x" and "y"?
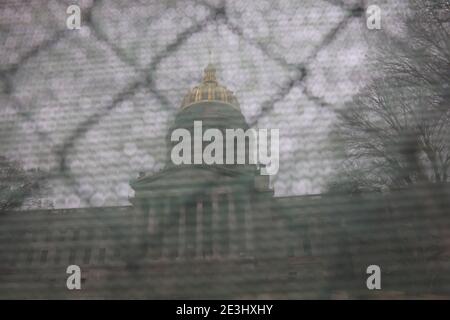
{"x": 18, "y": 186}
{"x": 395, "y": 133}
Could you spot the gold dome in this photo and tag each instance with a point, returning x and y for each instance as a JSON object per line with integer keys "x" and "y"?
{"x": 210, "y": 90}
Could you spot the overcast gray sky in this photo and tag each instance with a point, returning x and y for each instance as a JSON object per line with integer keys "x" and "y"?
{"x": 291, "y": 64}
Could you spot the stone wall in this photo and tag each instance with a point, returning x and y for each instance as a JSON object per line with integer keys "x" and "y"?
{"x": 304, "y": 247}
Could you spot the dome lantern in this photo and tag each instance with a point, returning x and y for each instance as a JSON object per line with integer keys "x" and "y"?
{"x": 209, "y": 90}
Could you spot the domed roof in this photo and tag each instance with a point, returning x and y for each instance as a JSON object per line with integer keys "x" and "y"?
{"x": 210, "y": 90}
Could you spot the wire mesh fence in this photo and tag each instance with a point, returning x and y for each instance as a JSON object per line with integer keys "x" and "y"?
{"x": 91, "y": 108}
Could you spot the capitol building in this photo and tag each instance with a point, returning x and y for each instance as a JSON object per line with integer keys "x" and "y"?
{"x": 203, "y": 231}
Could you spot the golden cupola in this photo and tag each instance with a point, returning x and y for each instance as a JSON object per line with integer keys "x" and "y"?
{"x": 210, "y": 90}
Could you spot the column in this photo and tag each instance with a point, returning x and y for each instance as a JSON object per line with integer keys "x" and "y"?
{"x": 191, "y": 217}
{"x": 248, "y": 222}
{"x": 172, "y": 228}
{"x": 215, "y": 237}
{"x": 207, "y": 227}
{"x": 151, "y": 219}
{"x": 182, "y": 232}
{"x": 199, "y": 230}
{"x": 159, "y": 229}
{"x": 239, "y": 203}
{"x": 232, "y": 224}
{"x": 165, "y": 250}
{"x": 224, "y": 224}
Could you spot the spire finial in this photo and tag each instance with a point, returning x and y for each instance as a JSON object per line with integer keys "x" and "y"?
{"x": 210, "y": 73}
{"x": 209, "y": 56}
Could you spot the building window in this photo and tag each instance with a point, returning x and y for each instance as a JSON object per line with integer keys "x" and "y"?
{"x": 30, "y": 257}
{"x": 44, "y": 255}
{"x": 72, "y": 256}
{"x": 307, "y": 246}
{"x": 87, "y": 255}
{"x": 76, "y": 235}
{"x": 57, "y": 256}
{"x": 102, "y": 255}
{"x": 291, "y": 252}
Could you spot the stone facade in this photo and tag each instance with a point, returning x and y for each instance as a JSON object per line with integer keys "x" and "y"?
{"x": 257, "y": 247}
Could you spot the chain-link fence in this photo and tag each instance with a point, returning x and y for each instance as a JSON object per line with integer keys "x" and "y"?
{"x": 89, "y": 109}
{"x": 92, "y": 106}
